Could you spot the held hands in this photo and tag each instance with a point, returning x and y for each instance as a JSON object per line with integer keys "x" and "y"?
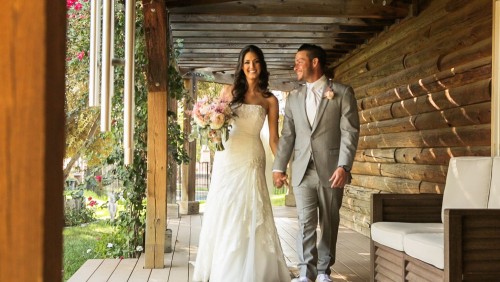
{"x": 339, "y": 178}
{"x": 280, "y": 178}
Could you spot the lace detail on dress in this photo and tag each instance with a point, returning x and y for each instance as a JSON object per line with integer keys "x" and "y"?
{"x": 258, "y": 162}
{"x": 249, "y": 110}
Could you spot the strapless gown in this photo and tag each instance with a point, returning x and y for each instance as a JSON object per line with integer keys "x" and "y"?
{"x": 238, "y": 239}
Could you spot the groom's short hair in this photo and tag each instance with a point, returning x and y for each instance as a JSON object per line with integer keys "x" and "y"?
{"x": 315, "y": 51}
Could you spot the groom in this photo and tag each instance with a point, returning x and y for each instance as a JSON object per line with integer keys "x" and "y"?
{"x": 321, "y": 128}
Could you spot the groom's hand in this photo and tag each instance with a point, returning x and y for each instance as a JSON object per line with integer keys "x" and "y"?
{"x": 339, "y": 178}
{"x": 279, "y": 178}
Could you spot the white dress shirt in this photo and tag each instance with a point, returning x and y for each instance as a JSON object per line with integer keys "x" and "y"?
{"x": 313, "y": 97}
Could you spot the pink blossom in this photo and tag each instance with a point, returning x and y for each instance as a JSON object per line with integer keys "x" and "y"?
{"x": 78, "y": 6}
{"x": 217, "y": 120}
{"x": 81, "y": 55}
{"x": 70, "y": 3}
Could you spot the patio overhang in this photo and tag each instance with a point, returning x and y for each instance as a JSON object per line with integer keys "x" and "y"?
{"x": 209, "y": 35}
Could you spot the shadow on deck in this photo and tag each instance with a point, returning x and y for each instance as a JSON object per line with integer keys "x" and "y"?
{"x": 353, "y": 254}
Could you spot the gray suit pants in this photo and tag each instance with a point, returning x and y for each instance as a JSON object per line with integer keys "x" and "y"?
{"x": 316, "y": 203}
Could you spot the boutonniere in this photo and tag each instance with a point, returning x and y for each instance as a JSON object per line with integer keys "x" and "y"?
{"x": 329, "y": 94}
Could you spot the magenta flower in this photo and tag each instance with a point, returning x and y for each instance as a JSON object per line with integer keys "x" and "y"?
{"x": 78, "y": 6}
{"x": 81, "y": 55}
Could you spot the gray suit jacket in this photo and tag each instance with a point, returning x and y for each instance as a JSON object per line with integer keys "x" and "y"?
{"x": 332, "y": 139}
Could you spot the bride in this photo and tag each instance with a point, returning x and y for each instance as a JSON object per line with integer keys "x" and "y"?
{"x": 238, "y": 239}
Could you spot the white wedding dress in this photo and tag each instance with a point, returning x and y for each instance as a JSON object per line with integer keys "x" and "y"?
{"x": 238, "y": 239}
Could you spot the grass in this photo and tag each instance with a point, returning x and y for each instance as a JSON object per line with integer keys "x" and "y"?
{"x": 78, "y": 240}
{"x": 278, "y": 200}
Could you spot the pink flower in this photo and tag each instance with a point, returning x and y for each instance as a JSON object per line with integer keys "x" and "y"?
{"x": 217, "y": 120}
{"x": 329, "y": 94}
{"x": 70, "y": 3}
{"x": 98, "y": 178}
{"x": 78, "y": 6}
{"x": 81, "y": 55}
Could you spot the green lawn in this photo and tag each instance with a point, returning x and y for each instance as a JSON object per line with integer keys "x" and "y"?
{"x": 79, "y": 243}
{"x": 278, "y": 200}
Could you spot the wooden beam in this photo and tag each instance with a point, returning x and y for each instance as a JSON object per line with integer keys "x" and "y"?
{"x": 334, "y": 8}
{"x": 155, "y": 19}
{"x": 179, "y": 18}
{"x": 32, "y": 52}
{"x": 190, "y": 3}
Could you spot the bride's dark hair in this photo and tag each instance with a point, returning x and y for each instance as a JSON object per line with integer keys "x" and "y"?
{"x": 240, "y": 81}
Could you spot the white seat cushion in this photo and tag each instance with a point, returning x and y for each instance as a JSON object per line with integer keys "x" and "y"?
{"x": 494, "y": 199}
{"x": 427, "y": 247}
{"x": 391, "y": 234}
{"x": 467, "y": 183}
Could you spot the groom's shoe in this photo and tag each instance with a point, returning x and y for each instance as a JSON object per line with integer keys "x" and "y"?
{"x": 301, "y": 279}
{"x": 323, "y": 278}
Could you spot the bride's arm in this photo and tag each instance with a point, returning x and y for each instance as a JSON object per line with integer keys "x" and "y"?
{"x": 272, "y": 118}
{"x": 226, "y": 93}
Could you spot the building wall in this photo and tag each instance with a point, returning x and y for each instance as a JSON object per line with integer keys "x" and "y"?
{"x": 424, "y": 95}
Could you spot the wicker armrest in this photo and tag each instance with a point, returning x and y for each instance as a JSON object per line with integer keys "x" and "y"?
{"x": 406, "y": 207}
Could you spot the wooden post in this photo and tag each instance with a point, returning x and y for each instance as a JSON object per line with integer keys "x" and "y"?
{"x": 155, "y": 26}
{"x": 32, "y": 56}
{"x": 495, "y": 85}
{"x": 188, "y": 204}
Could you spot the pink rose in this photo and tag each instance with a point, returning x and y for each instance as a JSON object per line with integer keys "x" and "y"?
{"x": 217, "y": 121}
{"x": 80, "y": 55}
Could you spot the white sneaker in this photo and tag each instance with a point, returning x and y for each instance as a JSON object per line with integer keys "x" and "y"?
{"x": 323, "y": 278}
{"x": 301, "y": 279}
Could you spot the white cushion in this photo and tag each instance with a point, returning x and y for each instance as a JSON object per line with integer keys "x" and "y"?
{"x": 391, "y": 234}
{"x": 427, "y": 247}
{"x": 467, "y": 183}
{"x": 494, "y": 199}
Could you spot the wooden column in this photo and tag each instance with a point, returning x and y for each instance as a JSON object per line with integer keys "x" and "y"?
{"x": 155, "y": 26}
{"x": 188, "y": 204}
{"x": 32, "y": 60}
{"x": 495, "y": 79}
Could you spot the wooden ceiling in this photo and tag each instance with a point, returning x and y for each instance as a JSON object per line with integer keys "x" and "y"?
{"x": 209, "y": 34}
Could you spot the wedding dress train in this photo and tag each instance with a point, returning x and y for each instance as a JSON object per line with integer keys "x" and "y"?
{"x": 238, "y": 239}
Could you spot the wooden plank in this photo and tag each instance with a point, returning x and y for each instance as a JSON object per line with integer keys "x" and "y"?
{"x": 32, "y": 87}
{"x": 104, "y": 271}
{"x": 474, "y": 135}
{"x": 179, "y": 269}
{"x": 273, "y": 27}
{"x": 352, "y": 248}
{"x": 86, "y": 270}
{"x": 174, "y": 18}
{"x": 140, "y": 274}
{"x": 124, "y": 270}
{"x": 160, "y": 275}
{"x": 194, "y": 241}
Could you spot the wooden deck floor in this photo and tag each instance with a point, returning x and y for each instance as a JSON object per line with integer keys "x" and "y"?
{"x": 352, "y": 259}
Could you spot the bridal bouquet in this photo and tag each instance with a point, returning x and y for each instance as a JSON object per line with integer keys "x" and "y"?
{"x": 210, "y": 122}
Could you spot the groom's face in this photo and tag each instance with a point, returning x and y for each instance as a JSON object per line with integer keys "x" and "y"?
{"x": 303, "y": 66}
